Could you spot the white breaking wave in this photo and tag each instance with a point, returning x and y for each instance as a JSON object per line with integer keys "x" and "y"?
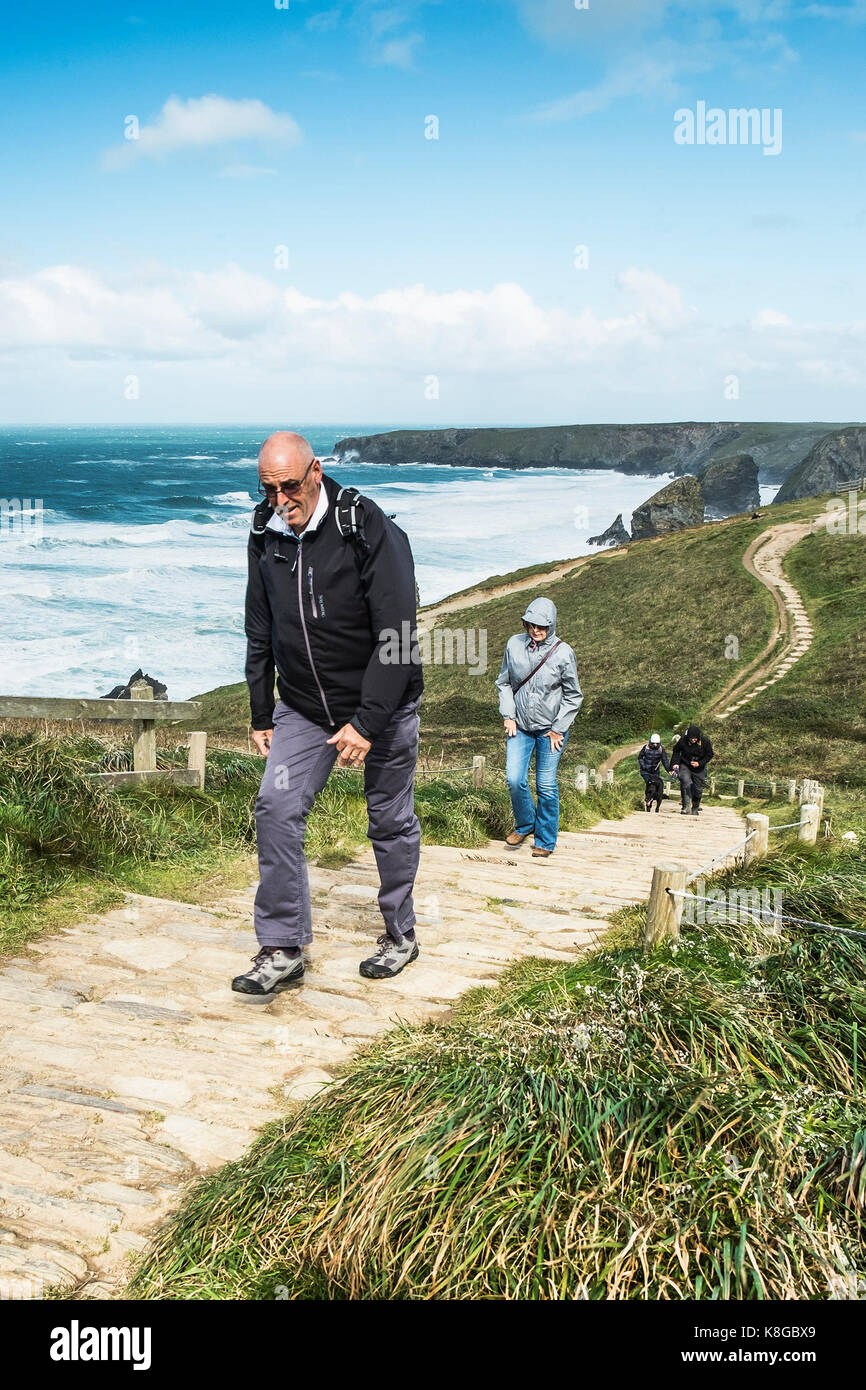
{"x": 96, "y": 598}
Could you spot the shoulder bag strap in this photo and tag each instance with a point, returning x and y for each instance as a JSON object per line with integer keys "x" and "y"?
{"x": 537, "y": 668}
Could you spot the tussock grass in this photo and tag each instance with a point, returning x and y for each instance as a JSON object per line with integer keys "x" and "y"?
{"x": 682, "y": 1126}
{"x": 66, "y": 837}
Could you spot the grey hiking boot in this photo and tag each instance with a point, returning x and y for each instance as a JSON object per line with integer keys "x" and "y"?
{"x": 390, "y": 958}
{"x": 273, "y": 969}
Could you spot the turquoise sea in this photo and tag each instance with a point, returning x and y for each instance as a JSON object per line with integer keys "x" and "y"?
{"x": 133, "y": 550}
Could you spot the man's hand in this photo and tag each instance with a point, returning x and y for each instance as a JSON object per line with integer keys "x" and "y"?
{"x": 675, "y": 768}
{"x": 510, "y": 728}
{"x": 262, "y": 739}
{"x": 555, "y": 739}
{"x": 695, "y": 762}
{"x": 351, "y": 746}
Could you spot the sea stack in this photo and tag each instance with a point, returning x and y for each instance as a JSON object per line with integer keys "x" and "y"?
{"x": 616, "y": 534}
{"x": 730, "y": 486}
{"x": 676, "y": 507}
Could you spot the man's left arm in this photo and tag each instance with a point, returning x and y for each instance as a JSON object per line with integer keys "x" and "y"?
{"x": 709, "y": 752}
{"x": 387, "y": 574}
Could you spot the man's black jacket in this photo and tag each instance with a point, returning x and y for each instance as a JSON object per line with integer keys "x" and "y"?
{"x": 648, "y": 760}
{"x": 685, "y": 752}
{"x": 335, "y": 619}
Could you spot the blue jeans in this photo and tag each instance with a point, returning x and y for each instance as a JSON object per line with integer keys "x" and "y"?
{"x": 543, "y": 818}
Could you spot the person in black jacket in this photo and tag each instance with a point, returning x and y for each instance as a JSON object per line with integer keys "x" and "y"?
{"x": 689, "y": 757}
{"x": 330, "y": 609}
{"x": 650, "y": 758}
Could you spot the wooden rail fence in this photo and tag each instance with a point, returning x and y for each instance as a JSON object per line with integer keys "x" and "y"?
{"x": 144, "y": 712}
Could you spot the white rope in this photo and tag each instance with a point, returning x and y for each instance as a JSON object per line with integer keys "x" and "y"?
{"x": 721, "y": 857}
{"x": 771, "y": 916}
{"x": 790, "y": 825}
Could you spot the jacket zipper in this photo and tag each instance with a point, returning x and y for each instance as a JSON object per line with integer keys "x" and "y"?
{"x": 312, "y": 595}
{"x": 306, "y": 634}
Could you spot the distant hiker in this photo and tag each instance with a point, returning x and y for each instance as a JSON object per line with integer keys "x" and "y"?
{"x": 330, "y": 594}
{"x": 650, "y": 758}
{"x": 689, "y": 757}
{"x": 539, "y": 695}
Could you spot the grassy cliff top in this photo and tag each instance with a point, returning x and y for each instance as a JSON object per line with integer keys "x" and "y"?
{"x": 651, "y": 629}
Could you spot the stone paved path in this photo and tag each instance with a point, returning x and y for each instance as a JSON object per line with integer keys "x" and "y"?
{"x": 129, "y": 1067}
{"x": 765, "y": 559}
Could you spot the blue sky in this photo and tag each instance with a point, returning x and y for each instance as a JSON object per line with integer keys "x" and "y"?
{"x": 430, "y": 280}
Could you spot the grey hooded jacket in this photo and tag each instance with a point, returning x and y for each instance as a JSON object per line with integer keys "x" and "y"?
{"x": 551, "y": 699}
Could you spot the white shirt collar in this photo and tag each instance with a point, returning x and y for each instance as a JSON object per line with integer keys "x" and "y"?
{"x": 276, "y": 523}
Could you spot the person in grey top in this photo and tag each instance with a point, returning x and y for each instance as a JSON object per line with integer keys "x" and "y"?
{"x": 539, "y": 696}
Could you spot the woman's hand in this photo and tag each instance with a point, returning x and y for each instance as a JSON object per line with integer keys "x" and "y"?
{"x": 555, "y": 739}
{"x": 510, "y": 728}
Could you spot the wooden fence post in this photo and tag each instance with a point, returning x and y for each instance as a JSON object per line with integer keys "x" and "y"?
{"x": 808, "y": 832}
{"x": 478, "y": 763}
{"x": 818, "y": 798}
{"x": 608, "y": 776}
{"x": 756, "y": 848}
{"x": 196, "y": 757}
{"x": 741, "y": 788}
{"x": 712, "y": 786}
{"x": 143, "y": 732}
{"x": 664, "y": 910}
{"x": 792, "y": 791}
{"x": 581, "y": 780}
{"x": 772, "y": 791}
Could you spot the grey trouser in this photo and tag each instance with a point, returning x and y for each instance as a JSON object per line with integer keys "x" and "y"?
{"x": 692, "y": 781}
{"x": 298, "y": 765}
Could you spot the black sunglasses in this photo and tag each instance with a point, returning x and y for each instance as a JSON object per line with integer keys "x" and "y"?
{"x": 290, "y": 487}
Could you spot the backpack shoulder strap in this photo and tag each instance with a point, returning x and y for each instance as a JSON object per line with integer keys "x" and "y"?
{"x": 261, "y": 516}
{"x": 349, "y": 516}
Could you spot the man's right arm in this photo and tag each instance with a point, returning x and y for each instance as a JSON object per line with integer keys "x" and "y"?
{"x": 259, "y": 668}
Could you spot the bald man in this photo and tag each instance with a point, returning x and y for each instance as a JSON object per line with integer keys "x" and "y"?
{"x": 330, "y": 585}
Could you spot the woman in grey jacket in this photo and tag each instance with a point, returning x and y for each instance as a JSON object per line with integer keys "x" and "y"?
{"x": 539, "y": 695}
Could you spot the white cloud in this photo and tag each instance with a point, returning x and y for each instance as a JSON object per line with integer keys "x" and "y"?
{"x": 771, "y": 318}
{"x": 853, "y": 13}
{"x": 660, "y": 302}
{"x": 324, "y": 21}
{"x": 649, "y": 48}
{"x": 642, "y": 74}
{"x": 226, "y": 338}
{"x": 400, "y": 53}
{"x": 200, "y": 122}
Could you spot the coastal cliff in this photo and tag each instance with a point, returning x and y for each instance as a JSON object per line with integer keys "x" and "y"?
{"x": 649, "y": 450}
{"x": 837, "y": 461}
